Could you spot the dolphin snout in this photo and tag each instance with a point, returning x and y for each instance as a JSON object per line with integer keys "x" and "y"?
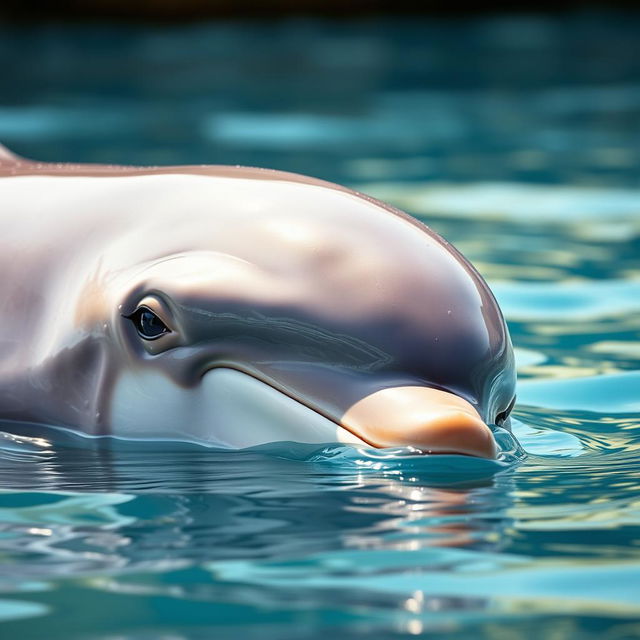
{"x": 431, "y": 420}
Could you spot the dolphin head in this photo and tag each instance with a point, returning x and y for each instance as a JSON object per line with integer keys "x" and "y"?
{"x": 237, "y": 307}
{"x": 275, "y": 309}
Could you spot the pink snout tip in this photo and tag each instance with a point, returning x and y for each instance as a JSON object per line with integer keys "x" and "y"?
{"x": 431, "y": 420}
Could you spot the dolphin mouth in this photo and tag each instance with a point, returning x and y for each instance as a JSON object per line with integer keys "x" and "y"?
{"x": 425, "y": 419}
{"x": 232, "y": 409}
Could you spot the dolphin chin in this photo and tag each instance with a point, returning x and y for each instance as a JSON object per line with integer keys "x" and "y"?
{"x": 227, "y": 409}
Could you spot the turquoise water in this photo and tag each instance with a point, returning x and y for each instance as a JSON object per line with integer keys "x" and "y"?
{"x": 515, "y": 138}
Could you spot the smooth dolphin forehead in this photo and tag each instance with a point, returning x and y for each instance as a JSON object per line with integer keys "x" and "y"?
{"x": 329, "y": 239}
{"x": 318, "y": 257}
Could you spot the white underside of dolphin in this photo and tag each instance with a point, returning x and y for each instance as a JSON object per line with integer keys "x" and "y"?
{"x": 227, "y": 409}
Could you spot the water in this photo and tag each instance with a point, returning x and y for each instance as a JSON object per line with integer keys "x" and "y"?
{"x": 517, "y": 139}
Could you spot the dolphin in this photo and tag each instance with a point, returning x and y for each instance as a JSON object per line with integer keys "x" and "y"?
{"x": 234, "y": 306}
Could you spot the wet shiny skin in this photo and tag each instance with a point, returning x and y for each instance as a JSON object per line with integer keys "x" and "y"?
{"x": 246, "y": 270}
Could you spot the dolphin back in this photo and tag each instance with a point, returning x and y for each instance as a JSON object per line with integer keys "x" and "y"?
{"x": 8, "y": 158}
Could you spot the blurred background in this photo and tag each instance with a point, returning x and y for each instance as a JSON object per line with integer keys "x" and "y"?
{"x": 511, "y": 129}
{"x": 494, "y": 96}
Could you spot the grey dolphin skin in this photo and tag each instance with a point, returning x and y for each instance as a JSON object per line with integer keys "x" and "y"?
{"x": 234, "y": 307}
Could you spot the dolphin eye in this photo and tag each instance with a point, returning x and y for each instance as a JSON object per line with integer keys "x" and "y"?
{"x": 501, "y": 418}
{"x": 148, "y": 324}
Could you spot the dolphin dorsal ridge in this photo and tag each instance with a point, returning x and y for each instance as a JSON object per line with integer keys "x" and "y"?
{"x": 7, "y": 157}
